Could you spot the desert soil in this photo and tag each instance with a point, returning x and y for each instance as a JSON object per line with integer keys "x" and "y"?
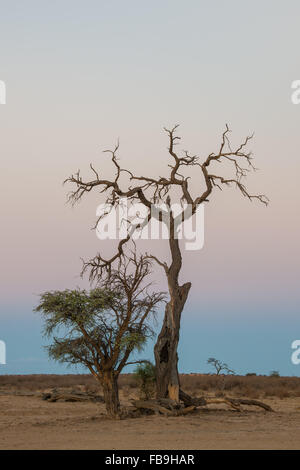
{"x": 28, "y": 422}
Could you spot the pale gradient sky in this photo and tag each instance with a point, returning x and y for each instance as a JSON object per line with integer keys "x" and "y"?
{"x": 81, "y": 74}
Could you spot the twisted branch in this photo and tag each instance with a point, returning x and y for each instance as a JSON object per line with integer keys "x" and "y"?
{"x": 150, "y": 191}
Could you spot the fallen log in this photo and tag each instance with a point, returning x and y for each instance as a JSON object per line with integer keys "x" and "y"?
{"x": 246, "y": 401}
{"x": 169, "y": 407}
{"x": 152, "y": 405}
{"x": 55, "y": 396}
{"x": 224, "y": 400}
{"x": 163, "y": 406}
{"x": 191, "y": 401}
{"x": 185, "y": 410}
{"x": 232, "y": 402}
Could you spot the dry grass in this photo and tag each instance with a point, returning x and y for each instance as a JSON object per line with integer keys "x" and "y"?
{"x": 39, "y": 382}
{"x": 242, "y": 386}
{"x": 259, "y": 386}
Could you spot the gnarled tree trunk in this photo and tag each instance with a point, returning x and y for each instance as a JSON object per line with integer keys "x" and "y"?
{"x": 165, "y": 350}
{"x": 111, "y": 393}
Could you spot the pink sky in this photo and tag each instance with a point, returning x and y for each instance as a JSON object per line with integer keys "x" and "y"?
{"x": 74, "y": 85}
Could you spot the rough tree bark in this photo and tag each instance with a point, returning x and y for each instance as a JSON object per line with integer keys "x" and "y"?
{"x": 110, "y": 387}
{"x": 165, "y": 350}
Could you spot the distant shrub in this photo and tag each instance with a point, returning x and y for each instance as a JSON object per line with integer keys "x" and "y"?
{"x": 145, "y": 375}
{"x": 274, "y": 373}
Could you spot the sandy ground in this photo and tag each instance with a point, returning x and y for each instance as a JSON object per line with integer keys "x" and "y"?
{"x": 27, "y": 422}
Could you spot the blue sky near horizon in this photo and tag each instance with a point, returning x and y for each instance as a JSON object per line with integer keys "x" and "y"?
{"x": 247, "y": 342}
{"x": 81, "y": 74}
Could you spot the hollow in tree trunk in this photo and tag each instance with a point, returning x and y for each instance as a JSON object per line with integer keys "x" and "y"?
{"x": 165, "y": 350}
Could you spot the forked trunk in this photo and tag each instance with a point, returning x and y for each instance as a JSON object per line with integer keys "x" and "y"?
{"x": 165, "y": 350}
{"x": 111, "y": 394}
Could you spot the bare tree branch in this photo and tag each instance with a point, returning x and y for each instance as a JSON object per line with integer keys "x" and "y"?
{"x": 159, "y": 188}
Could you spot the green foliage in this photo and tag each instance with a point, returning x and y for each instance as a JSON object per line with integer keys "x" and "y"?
{"x": 98, "y": 330}
{"x": 274, "y": 373}
{"x": 134, "y": 340}
{"x": 146, "y": 376}
{"x": 73, "y": 307}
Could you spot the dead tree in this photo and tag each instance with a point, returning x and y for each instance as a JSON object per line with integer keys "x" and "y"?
{"x": 168, "y": 407}
{"x": 154, "y": 191}
{"x": 219, "y": 366}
